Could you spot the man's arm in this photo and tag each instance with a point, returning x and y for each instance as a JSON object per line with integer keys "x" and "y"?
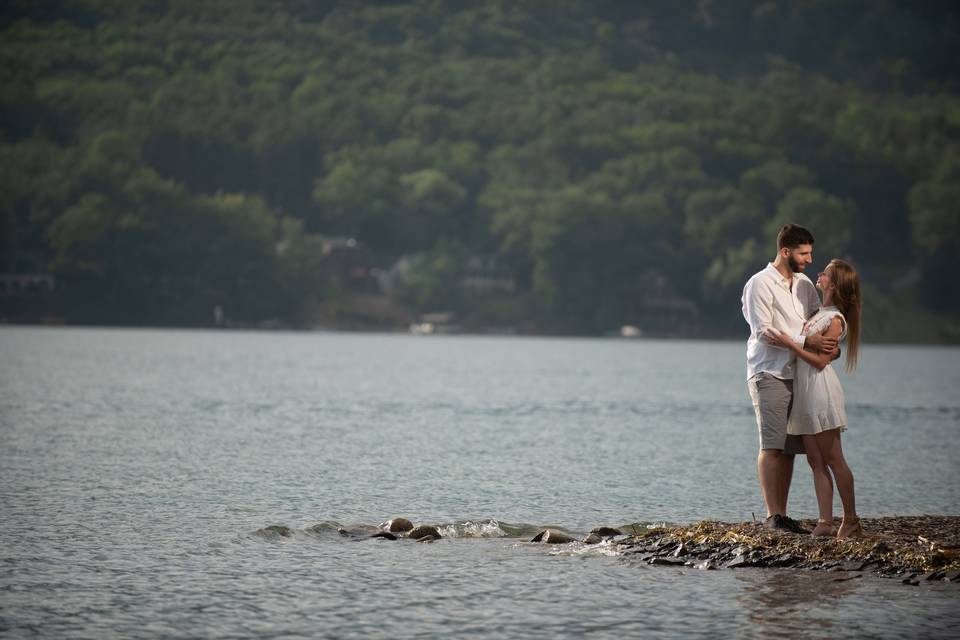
{"x": 816, "y": 359}
{"x": 758, "y": 312}
{"x": 823, "y": 343}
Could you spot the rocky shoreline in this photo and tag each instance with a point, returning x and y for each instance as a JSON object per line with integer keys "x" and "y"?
{"x": 914, "y": 549}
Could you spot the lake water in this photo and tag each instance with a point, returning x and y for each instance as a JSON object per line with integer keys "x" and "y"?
{"x": 138, "y": 469}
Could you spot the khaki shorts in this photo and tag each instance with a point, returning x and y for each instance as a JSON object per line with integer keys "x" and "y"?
{"x": 772, "y": 399}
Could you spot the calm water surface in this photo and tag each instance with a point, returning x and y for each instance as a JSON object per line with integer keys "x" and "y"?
{"x": 138, "y": 470}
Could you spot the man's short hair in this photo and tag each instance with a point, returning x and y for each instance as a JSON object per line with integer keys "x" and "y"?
{"x": 792, "y": 236}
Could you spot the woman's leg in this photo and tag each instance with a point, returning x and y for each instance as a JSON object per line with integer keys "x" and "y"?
{"x": 822, "y": 485}
{"x": 832, "y": 451}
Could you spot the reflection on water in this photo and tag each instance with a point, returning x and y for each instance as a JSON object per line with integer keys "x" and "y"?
{"x": 779, "y": 601}
{"x": 828, "y": 604}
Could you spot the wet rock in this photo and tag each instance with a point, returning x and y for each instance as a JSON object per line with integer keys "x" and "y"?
{"x": 549, "y": 536}
{"x": 397, "y": 525}
{"x": 599, "y": 534}
{"x": 274, "y": 531}
{"x": 667, "y": 560}
{"x": 606, "y": 532}
{"x": 424, "y": 531}
{"x": 706, "y": 565}
{"x": 636, "y": 551}
{"x": 785, "y": 560}
{"x": 952, "y": 576}
{"x": 386, "y": 535}
{"x": 739, "y": 561}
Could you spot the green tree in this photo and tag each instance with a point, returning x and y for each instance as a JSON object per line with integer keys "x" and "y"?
{"x": 828, "y": 217}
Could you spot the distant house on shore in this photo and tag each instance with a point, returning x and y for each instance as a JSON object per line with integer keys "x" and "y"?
{"x": 480, "y": 274}
{"x": 14, "y": 284}
{"x": 29, "y": 298}
{"x": 351, "y": 264}
{"x": 487, "y": 273}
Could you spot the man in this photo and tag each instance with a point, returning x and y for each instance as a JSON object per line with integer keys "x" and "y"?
{"x": 779, "y": 298}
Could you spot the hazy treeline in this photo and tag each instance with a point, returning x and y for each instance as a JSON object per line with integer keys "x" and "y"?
{"x": 164, "y": 157}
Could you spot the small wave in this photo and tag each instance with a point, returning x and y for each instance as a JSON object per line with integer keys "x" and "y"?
{"x": 639, "y": 527}
{"x": 491, "y": 528}
{"x": 324, "y": 529}
{"x": 606, "y": 547}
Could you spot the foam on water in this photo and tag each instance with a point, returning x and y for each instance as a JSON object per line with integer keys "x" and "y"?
{"x": 458, "y": 529}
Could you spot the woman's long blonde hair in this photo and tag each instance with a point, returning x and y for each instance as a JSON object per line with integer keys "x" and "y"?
{"x": 846, "y": 295}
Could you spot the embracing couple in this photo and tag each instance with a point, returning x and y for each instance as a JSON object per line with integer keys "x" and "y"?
{"x": 796, "y": 394}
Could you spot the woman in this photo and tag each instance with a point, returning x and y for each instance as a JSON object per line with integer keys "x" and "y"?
{"x": 818, "y": 413}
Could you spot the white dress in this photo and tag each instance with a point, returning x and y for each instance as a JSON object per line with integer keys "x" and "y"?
{"x": 817, "y": 395}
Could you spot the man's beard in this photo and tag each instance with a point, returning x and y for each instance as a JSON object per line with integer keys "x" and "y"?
{"x": 795, "y": 266}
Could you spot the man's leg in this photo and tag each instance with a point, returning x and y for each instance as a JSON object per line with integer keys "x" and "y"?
{"x": 771, "y": 402}
{"x": 775, "y": 470}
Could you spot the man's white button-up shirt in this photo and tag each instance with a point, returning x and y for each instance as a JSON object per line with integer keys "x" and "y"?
{"x": 770, "y": 302}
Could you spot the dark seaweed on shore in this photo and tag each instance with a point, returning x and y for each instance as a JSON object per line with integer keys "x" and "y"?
{"x": 914, "y": 548}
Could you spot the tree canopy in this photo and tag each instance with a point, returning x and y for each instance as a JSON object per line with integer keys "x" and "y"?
{"x": 162, "y": 158}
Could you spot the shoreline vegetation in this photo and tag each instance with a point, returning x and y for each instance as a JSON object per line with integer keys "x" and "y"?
{"x": 914, "y": 549}
{"x": 946, "y": 337}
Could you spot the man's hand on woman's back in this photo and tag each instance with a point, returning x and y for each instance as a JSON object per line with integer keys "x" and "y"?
{"x": 823, "y": 344}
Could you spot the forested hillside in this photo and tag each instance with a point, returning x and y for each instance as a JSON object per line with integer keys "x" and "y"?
{"x": 612, "y": 162}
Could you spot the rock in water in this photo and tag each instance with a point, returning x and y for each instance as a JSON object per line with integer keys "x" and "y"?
{"x": 606, "y": 532}
{"x": 549, "y": 536}
{"x": 424, "y": 531}
{"x": 274, "y": 531}
{"x": 599, "y": 534}
{"x": 397, "y": 525}
{"x": 386, "y": 535}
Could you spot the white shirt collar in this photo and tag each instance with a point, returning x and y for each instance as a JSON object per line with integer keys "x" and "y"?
{"x": 775, "y": 273}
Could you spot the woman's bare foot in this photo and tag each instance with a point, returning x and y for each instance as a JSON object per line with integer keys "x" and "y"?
{"x": 850, "y": 528}
{"x": 824, "y": 528}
